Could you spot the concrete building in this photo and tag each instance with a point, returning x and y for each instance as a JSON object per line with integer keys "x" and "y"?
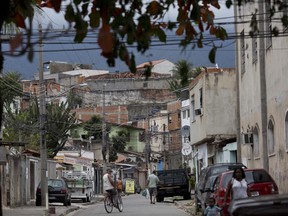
{"x": 213, "y": 116}
{"x": 263, "y": 91}
{"x": 161, "y": 66}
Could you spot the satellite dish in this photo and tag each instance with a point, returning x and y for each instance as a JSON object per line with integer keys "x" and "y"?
{"x": 186, "y": 149}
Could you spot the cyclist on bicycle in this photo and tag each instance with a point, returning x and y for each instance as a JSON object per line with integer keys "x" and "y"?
{"x": 109, "y": 185}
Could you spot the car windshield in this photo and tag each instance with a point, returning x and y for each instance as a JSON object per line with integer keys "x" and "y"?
{"x": 55, "y": 183}
{"x": 220, "y": 169}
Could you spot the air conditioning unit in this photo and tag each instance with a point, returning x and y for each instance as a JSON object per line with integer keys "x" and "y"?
{"x": 198, "y": 111}
{"x": 247, "y": 138}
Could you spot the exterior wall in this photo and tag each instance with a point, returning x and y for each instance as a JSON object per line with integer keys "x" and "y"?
{"x": 24, "y": 175}
{"x": 163, "y": 67}
{"x": 218, "y": 115}
{"x": 133, "y": 144}
{"x": 174, "y": 127}
{"x": 185, "y": 130}
{"x": 275, "y": 68}
{"x": 156, "y": 140}
{"x": 113, "y": 114}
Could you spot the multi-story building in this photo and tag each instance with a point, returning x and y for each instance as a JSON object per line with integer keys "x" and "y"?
{"x": 263, "y": 91}
{"x": 213, "y": 117}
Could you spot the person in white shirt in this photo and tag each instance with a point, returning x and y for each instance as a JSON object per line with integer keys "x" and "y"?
{"x": 109, "y": 185}
{"x": 237, "y": 188}
{"x": 152, "y": 181}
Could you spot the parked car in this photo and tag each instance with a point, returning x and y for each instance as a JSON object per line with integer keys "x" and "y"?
{"x": 58, "y": 191}
{"x": 275, "y": 205}
{"x": 208, "y": 174}
{"x": 259, "y": 182}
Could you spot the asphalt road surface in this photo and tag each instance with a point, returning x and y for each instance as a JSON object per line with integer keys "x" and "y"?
{"x": 134, "y": 205}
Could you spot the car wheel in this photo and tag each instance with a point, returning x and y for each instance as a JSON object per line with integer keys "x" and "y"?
{"x": 187, "y": 197}
{"x": 88, "y": 198}
{"x": 38, "y": 201}
{"x": 66, "y": 201}
{"x": 69, "y": 202}
{"x": 159, "y": 199}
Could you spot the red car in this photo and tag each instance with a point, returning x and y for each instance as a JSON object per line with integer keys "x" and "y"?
{"x": 259, "y": 182}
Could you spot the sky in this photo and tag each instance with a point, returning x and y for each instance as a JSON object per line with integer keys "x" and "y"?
{"x": 65, "y": 50}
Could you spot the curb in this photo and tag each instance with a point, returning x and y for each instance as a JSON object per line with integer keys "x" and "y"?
{"x": 69, "y": 210}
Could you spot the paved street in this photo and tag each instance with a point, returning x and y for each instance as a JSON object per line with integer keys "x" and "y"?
{"x": 133, "y": 205}
{"x": 139, "y": 205}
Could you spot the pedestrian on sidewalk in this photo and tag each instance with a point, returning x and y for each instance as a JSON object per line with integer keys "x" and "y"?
{"x": 152, "y": 181}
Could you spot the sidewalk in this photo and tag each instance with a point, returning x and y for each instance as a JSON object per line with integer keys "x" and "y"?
{"x": 55, "y": 210}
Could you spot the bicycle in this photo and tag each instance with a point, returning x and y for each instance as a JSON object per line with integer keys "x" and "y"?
{"x": 108, "y": 202}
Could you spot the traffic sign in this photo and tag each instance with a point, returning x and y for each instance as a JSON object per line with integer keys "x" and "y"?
{"x": 186, "y": 149}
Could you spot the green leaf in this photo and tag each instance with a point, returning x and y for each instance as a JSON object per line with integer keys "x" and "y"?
{"x": 69, "y": 15}
{"x": 212, "y": 55}
{"x": 228, "y": 3}
{"x": 195, "y": 13}
{"x": 161, "y": 34}
{"x": 94, "y": 19}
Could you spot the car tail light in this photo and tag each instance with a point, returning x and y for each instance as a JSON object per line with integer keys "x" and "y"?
{"x": 222, "y": 194}
{"x": 63, "y": 190}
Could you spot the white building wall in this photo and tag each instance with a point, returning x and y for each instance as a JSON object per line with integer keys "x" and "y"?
{"x": 164, "y": 67}
{"x": 218, "y": 107}
{"x": 276, "y": 72}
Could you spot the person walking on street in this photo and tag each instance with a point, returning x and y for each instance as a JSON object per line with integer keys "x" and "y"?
{"x": 212, "y": 209}
{"x": 109, "y": 185}
{"x": 237, "y": 187}
{"x": 152, "y": 181}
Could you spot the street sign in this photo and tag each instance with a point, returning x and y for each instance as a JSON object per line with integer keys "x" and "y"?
{"x": 186, "y": 149}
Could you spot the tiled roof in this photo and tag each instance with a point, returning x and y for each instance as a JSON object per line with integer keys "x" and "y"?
{"x": 124, "y": 75}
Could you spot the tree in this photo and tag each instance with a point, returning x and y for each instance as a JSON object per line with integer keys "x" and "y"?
{"x": 182, "y": 74}
{"x": 9, "y": 89}
{"x": 119, "y": 142}
{"x": 24, "y": 125}
{"x": 94, "y": 127}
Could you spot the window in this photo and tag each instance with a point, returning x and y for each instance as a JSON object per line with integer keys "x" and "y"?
{"x": 271, "y": 141}
{"x": 145, "y": 84}
{"x": 286, "y": 130}
{"x": 192, "y": 108}
{"x": 242, "y": 51}
{"x": 268, "y": 23}
{"x": 256, "y": 142}
{"x": 201, "y": 97}
{"x": 184, "y": 114}
{"x": 285, "y": 14}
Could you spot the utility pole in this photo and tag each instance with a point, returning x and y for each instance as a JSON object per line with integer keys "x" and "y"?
{"x": 43, "y": 148}
{"x": 105, "y": 147}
